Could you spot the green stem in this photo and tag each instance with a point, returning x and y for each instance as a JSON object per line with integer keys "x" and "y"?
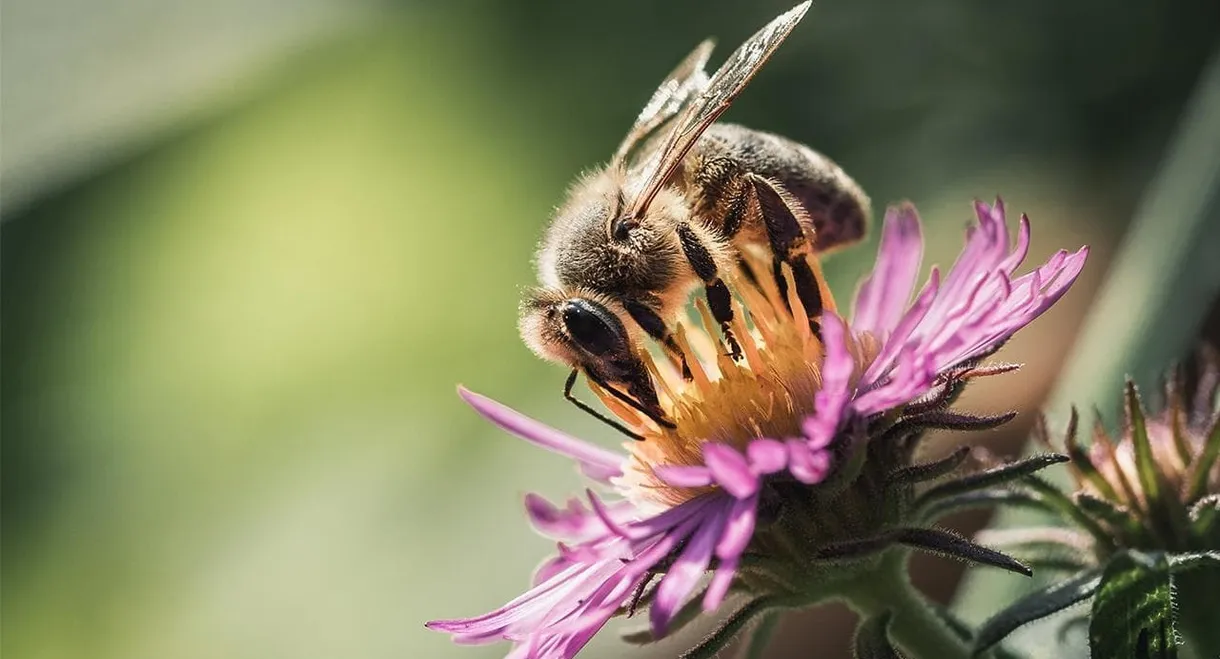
{"x": 915, "y": 627}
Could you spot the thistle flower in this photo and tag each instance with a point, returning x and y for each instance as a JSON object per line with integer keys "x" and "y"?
{"x": 1156, "y": 486}
{"x": 1146, "y": 507}
{"x": 788, "y": 471}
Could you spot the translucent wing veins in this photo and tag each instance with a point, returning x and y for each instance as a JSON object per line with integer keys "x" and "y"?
{"x": 694, "y": 118}
{"x": 686, "y": 81}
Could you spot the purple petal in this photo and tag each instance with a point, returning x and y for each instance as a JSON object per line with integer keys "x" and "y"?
{"x": 901, "y": 335}
{"x": 738, "y": 529}
{"x": 684, "y": 575}
{"x": 549, "y": 568}
{"x": 1010, "y": 263}
{"x": 730, "y": 470}
{"x": 604, "y": 515}
{"x": 767, "y": 456}
{"x": 913, "y": 377}
{"x": 670, "y": 519}
{"x": 883, "y": 296}
{"x": 719, "y": 585}
{"x": 683, "y": 476}
{"x": 978, "y": 307}
{"x": 486, "y": 627}
{"x": 830, "y": 401}
{"x": 596, "y": 462}
{"x": 807, "y": 465}
{"x": 572, "y": 522}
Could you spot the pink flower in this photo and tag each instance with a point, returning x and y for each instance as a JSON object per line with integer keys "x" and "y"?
{"x": 759, "y": 435}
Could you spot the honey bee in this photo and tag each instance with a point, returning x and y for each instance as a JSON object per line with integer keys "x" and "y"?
{"x": 674, "y": 208}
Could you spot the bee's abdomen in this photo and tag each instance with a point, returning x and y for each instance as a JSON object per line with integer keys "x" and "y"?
{"x": 836, "y": 204}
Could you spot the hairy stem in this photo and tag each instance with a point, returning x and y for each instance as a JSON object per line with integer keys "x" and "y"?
{"x": 916, "y": 628}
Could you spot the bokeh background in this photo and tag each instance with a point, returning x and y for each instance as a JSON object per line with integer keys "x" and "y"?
{"x": 250, "y": 247}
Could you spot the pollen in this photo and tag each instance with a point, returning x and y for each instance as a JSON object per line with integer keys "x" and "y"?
{"x": 767, "y": 392}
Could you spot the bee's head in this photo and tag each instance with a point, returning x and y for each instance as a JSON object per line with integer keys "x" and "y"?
{"x": 573, "y": 329}
{"x": 583, "y": 331}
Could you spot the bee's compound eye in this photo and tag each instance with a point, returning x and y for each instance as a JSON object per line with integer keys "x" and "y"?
{"x": 593, "y": 328}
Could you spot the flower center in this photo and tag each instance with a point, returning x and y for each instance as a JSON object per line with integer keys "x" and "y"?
{"x": 768, "y": 392}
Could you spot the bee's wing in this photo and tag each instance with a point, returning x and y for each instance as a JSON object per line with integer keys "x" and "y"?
{"x": 686, "y": 81}
{"x": 700, "y": 113}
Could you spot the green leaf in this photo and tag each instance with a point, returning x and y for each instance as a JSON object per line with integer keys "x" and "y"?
{"x": 1133, "y": 610}
{"x": 1179, "y": 563}
{"x": 1038, "y": 604}
{"x": 873, "y": 638}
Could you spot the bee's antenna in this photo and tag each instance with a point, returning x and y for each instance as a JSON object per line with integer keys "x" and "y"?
{"x": 567, "y": 393}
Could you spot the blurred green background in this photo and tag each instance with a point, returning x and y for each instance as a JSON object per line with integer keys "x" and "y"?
{"x": 249, "y": 248}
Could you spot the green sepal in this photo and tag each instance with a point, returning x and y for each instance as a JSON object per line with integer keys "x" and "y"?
{"x": 1081, "y": 460}
{"x": 1036, "y": 605}
{"x": 1109, "y": 513}
{"x": 929, "y": 470}
{"x": 1145, "y": 462}
{"x": 947, "y": 543}
{"x": 1068, "y": 508}
{"x": 990, "y": 478}
{"x": 1133, "y": 610}
{"x": 934, "y": 510}
{"x": 1203, "y": 465}
{"x": 1043, "y": 547}
{"x": 873, "y": 638}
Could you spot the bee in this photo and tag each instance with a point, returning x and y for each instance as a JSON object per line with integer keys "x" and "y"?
{"x": 679, "y": 201}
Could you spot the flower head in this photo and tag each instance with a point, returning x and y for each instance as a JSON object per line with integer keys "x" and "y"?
{"x": 792, "y": 458}
{"x": 1146, "y": 510}
{"x": 1156, "y": 484}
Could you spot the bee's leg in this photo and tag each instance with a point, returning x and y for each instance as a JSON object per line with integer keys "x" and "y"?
{"x": 726, "y": 202}
{"x": 790, "y": 244}
{"x": 584, "y": 407}
{"x": 719, "y": 300}
{"x": 781, "y": 282}
{"x": 747, "y": 272}
{"x": 648, "y": 319}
